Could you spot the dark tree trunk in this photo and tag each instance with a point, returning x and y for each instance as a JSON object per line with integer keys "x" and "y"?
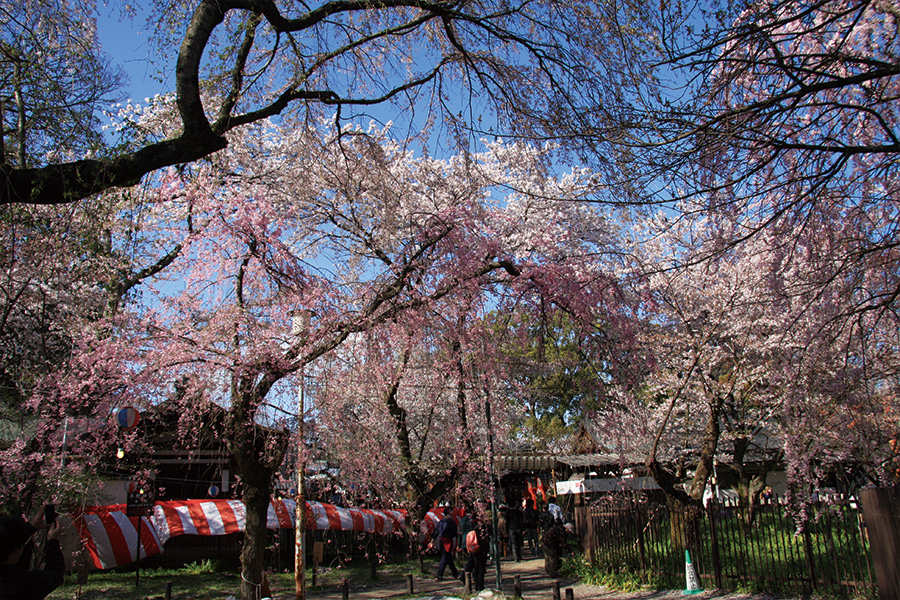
{"x": 256, "y": 535}
{"x": 257, "y": 453}
{"x": 749, "y": 487}
{"x": 684, "y": 522}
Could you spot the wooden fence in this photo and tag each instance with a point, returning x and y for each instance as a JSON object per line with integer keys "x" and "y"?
{"x": 829, "y": 553}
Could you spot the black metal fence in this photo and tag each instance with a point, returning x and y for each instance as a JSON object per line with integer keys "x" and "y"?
{"x": 828, "y": 553}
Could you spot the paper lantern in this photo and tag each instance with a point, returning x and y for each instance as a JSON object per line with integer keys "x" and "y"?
{"x": 213, "y": 491}
{"x": 128, "y": 417}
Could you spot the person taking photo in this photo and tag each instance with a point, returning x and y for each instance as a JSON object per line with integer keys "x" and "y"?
{"x": 17, "y": 580}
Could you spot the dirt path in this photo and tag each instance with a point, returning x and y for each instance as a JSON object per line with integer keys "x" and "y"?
{"x": 535, "y": 585}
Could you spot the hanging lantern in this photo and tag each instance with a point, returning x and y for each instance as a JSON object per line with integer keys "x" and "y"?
{"x": 131, "y": 487}
{"x": 213, "y": 491}
{"x": 128, "y": 417}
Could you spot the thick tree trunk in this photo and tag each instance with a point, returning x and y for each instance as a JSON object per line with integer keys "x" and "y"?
{"x": 257, "y": 453}
{"x": 748, "y": 491}
{"x": 684, "y": 522}
{"x": 748, "y": 487}
{"x": 711, "y": 436}
{"x": 684, "y": 504}
{"x": 256, "y": 501}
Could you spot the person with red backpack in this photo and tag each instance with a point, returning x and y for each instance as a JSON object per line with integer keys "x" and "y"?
{"x": 445, "y": 541}
{"x": 476, "y": 544}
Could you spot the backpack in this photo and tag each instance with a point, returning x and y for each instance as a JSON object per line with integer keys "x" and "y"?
{"x": 472, "y": 545}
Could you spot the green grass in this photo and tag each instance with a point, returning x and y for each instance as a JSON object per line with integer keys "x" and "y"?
{"x": 624, "y": 580}
{"x": 766, "y": 557}
{"x": 207, "y": 579}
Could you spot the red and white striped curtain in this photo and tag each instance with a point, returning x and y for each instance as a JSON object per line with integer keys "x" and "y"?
{"x": 110, "y": 537}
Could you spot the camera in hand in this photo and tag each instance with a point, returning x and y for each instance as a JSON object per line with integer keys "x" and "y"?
{"x": 50, "y": 514}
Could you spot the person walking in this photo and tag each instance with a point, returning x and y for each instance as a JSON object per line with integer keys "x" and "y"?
{"x": 502, "y": 530}
{"x": 476, "y": 545}
{"x": 445, "y": 540}
{"x": 554, "y": 509}
{"x": 514, "y": 525}
{"x": 464, "y": 526}
{"x": 554, "y": 543}
{"x": 17, "y": 582}
{"x": 530, "y": 519}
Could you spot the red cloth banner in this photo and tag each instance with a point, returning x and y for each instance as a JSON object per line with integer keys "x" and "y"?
{"x": 111, "y": 538}
{"x": 540, "y": 487}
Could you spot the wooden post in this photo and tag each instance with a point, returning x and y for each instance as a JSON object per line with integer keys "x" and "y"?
{"x": 570, "y": 594}
{"x": 137, "y": 555}
{"x": 409, "y": 584}
{"x": 318, "y": 557}
{"x": 468, "y": 580}
{"x": 82, "y": 577}
{"x": 881, "y": 509}
{"x": 345, "y": 588}
{"x": 556, "y": 590}
{"x": 517, "y": 587}
{"x": 168, "y": 590}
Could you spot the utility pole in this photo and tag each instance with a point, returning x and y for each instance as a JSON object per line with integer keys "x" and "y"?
{"x": 300, "y": 327}
{"x": 495, "y": 539}
{"x": 300, "y": 516}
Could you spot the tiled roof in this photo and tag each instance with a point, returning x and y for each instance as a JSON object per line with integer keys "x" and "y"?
{"x": 526, "y": 462}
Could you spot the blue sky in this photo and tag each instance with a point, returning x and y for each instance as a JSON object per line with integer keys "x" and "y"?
{"x": 125, "y": 42}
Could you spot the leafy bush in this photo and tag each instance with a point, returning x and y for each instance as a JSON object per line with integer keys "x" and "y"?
{"x": 200, "y": 567}
{"x": 624, "y": 580}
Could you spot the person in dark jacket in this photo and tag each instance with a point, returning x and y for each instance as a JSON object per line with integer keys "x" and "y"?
{"x": 514, "y": 525}
{"x": 502, "y": 531}
{"x": 445, "y": 540}
{"x": 17, "y": 582}
{"x": 530, "y": 517}
{"x": 554, "y": 543}
{"x": 477, "y": 563}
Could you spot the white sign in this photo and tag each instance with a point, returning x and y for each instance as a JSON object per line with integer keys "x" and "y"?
{"x": 608, "y": 484}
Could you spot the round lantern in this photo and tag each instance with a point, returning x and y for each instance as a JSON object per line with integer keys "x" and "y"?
{"x": 213, "y": 491}
{"x": 128, "y": 417}
{"x": 131, "y": 487}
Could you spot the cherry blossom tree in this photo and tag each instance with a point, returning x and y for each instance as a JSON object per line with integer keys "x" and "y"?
{"x": 787, "y": 122}
{"x": 54, "y": 80}
{"x": 781, "y": 140}
{"x": 533, "y": 69}
{"x": 53, "y": 295}
{"x": 364, "y": 235}
{"x": 407, "y": 395}
{"x": 750, "y": 351}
